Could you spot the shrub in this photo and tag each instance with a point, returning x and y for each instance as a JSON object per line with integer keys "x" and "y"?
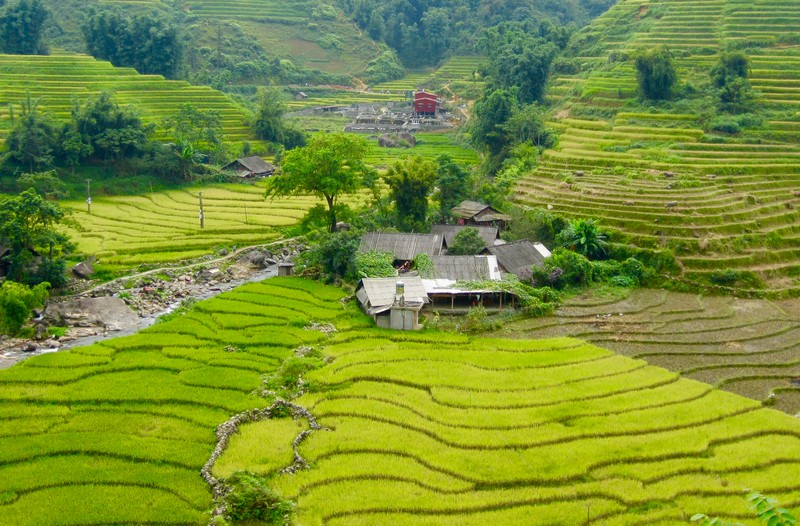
{"x": 374, "y": 264}
{"x": 656, "y": 73}
{"x": 251, "y": 498}
{"x": 17, "y": 302}
{"x": 725, "y": 125}
{"x": 564, "y": 268}
{"x": 585, "y": 237}
{"x": 467, "y": 242}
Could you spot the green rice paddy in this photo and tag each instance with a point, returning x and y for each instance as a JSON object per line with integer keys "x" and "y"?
{"x": 420, "y": 428}
{"x": 727, "y": 202}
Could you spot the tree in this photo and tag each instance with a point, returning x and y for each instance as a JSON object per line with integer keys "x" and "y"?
{"x": 29, "y": 226}
{"x": 410, "y": 182}
{"x": 22, "y": 28}
{"x": 453, "y": 183}
{"x": 32, "y": 137}
{"x": 656, "y": 73}
{"x": 584, "y": 237}
{"x": 199, "y": 130}
{"x": 17, "y": 303}
{"x": 331, "y": 165}
{"x": 270, "y": 107}
{"x": 527, "y": 124}
{"x": 146, "y": 41}
{"x": 110, "y": 130}
{"x": 730, "y": 77}
{"x": 490, "y": 115}
{"x": 468, "y": 242}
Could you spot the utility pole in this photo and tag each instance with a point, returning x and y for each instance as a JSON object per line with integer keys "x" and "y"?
{"x": 89, "y": 196}
{"x": 202, "y": 217}
{"x": 245, "y": 214}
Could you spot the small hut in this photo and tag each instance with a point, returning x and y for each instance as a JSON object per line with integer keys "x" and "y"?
{"x": 249, "y": 167}
{"x": 473, "y": 213}
{"x": 393, "y": 303}
{"x": 300, "y": 95}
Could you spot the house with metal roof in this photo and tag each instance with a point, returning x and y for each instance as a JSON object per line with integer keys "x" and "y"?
{"x": 518, "y": 257}
{"x": 254, "y": 166}
{"x": 405, "y": 247}
{"x": 449, "y": 232}
{"x": 394, "y": 303}
{"x": 465, "y": 268}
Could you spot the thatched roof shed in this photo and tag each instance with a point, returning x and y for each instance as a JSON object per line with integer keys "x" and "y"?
{"x": 251, "y": 167}
{"x": 518, "y": 257}
{"x": 405, "y": 247}
{"x": 474, "y": 212}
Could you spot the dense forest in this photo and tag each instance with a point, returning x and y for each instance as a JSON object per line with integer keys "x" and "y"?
{"x": 422, "y": 32}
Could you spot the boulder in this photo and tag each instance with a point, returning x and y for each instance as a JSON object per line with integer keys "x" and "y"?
{"x": 108, "y": 312}
{"x": 84, "y": 269}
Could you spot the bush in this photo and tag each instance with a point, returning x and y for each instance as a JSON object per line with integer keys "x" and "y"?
{"x": 725, "y": 125}
{"x": 17, "y": 302}
{"x": 251, "y": 498}
{"x": 466, "y": 243}
{"x": 564, "y": 268}
{"x": 374, "y": 264}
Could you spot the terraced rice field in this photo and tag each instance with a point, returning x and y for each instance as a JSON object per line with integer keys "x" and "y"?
{"x": 455, "y": 69}
{"x": 62, "y": 77}
{"x": 126, "y": 231}
{"x": 732, "y": 202}
{"x": 116, "y": 433}
{"x": 429, "y": 146}
{"x": 295, "y": 12}
{"x": 446, "y": 429}
{"x": 344, "y": 98}
{"x": 747, "y": 347}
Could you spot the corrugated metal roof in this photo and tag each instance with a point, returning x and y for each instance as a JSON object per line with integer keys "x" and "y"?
{"x": 468, "y": 209}
{"x": 255, "y": 164}
{"x": 518, "y": 257}
{"x": 448, "y": 232}
{"x": 466, "y": 268}
{"x": 377, "y": 295}
{"x": 405, "y": 247}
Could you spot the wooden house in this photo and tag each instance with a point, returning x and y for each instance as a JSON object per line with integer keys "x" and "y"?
{"x": 426, "y": 103}
{"x": 300, "y": 95}
{"x": 473, "y": 213}
{"x": 520, "y": 256}
{"x": 248, "y": 167}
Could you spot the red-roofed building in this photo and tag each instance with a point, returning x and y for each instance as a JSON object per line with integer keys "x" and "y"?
{"x": 426, "y": 103}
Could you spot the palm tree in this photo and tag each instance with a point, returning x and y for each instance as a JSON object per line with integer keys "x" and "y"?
{"x": 585, "y": 237}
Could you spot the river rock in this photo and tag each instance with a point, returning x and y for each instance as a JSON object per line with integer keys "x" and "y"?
{"x": 108, "y": 312}
{"x": 84, "y": 269}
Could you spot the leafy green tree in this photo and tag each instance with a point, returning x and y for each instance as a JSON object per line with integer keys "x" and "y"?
{"x": 110, "y": 130}
{"x": 148, "y": 42}
{"x": 731, "y": 77}
{"x": 656, "y": 73}
{"x": 585, "y": 237}
{"x": 17, "y": 302}
{"x": 453, "y": 184}
{"x": 374, "y": 264}
{"x": 468, "y": 242}
{"x": 28, "y": 226}
{"x": 199, "y": 130}
{"x": 519, "y": 59}
{"x": 22, "y": 28}
{"x": 490, "y": 115}
{"x": 332, "y": 257}
{"x": 45, "y": 183}
{"x": 410, "y": 182}
{"x": 331, "y": 165}
{"x": 32, "y": 137}
{"x": 270, "y": 107}
{"x": 251, "y": 498}
{"x": 74, "y": 148}
{"x": 527, "y": 124}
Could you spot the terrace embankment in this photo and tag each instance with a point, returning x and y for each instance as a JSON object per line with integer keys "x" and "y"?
{"x": 748, "y": 347}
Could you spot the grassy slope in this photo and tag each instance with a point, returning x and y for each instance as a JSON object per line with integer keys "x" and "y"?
{"x": 732, "y": 203}
{"x": 59, "y": 79}
{"x": 117, "y": 432}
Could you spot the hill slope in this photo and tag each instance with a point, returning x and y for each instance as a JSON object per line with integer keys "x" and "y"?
{"x": 59, "y": 79}
{"x": 729, "y": 201}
